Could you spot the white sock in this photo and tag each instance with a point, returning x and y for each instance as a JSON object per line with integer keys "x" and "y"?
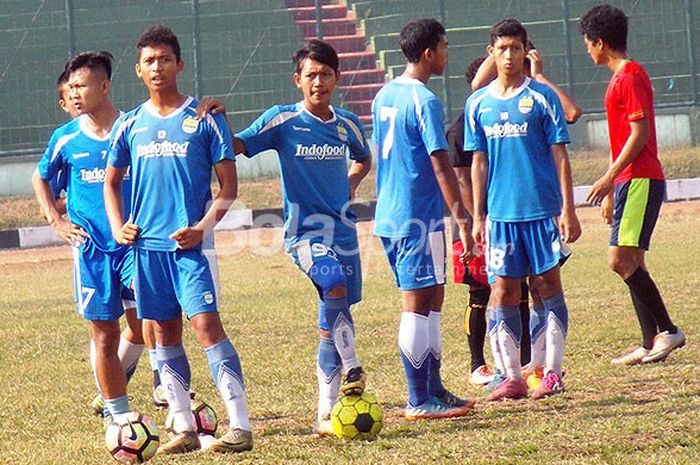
{"x": 510, "y": 352}
{"x": 556, "y": 342}
{"x": 234, "y": 398}
{"x": 129, "y": 353}
{"x": 327, "y": 392}
{"x": 344, "y": 340}
{"x": 414, "y": 337}
{"x": 435, "y": 337}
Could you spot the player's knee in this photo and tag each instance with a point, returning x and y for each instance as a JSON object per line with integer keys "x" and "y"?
{"x": 106, "y": 338}
{"x": 208, "y": 328}
{"x": 621, "y": 265}
{"x": 330, "y": 278}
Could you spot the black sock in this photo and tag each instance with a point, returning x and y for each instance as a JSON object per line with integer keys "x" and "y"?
{"x": 648, "y": 302}
{"x": 525, "y": 318}
{"x": 475, "y": 324}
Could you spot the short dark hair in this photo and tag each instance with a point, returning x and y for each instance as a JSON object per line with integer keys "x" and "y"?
{"x": 607, "y": 23}
{"x": 473, "y": 67}
{"x": 509, "y": 27}
{"x": 62, "y": 81}
{"x": 316, "y": 50}
{"x": 159, "y": 35}
{"x": 94, "y": 61}
{"x": 418, "y": 36}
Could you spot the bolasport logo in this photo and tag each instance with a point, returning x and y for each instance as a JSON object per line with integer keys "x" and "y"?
{"x": 162, "y": 149}
{"x": 498, "y": 131}
{"x": 321, "y": 152}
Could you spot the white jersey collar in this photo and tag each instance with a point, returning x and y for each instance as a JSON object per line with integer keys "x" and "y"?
{"x": 408, "y": 80}
{"x": 492, "y": 92}
{"x": 305, "y": 110}
{"x": 85, "y": 129}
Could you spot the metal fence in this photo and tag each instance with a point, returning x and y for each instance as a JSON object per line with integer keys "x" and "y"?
{"x": 239, "y": 50}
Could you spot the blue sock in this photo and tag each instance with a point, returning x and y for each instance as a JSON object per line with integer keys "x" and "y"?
{"x": 556, "y": 308}
{"x": 117, "y": 406}
{"x": 328, "y": 358}
{"x": 175, "y": 375}
{"x": 342, "y": 329}
{"x": 226, "y": 371}
{"x": 222, "y": 357}
{"x": 172, "y": 360}
{"x": 435, "y": 386}
{"x": 414, "y": 347}
{"x": 510, "y": 330}
{"x": 153, "y": 359}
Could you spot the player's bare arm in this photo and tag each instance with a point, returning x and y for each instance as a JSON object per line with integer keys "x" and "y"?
{"x": 239, "y": 146}
{"x": 639, "y": 136}
{"x": 358, "y": 171}
{"x": 209, "y": 105}
{"x": 486, "y": 73}
{"x": 63, "y": 228}
{"x": 450, "y": 191}
{"x": 480, "y": 168}
{"x": 464, "y": 179}
{"x": 572, "y": 110}
{"x": 569, "y": 226}
{"x": 124, "y": 233}
{"x": 227, "y": 176}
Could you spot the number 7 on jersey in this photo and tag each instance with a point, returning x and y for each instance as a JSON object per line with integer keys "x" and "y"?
{"x": 388, "y": 114}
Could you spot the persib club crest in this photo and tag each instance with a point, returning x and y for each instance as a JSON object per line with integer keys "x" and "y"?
{"x": 342, "y": 133}
{"x": 189, "y": 125}
{"x": 525, "y": 105}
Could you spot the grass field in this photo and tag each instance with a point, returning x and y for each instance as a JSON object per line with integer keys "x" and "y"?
{"x": 23, "y": 211}
{"x": 608, "y": 415}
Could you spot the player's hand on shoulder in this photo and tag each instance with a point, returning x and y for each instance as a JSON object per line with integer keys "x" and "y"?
{"x": 187, "y": 237}
{"x": 536, "y": 63}
{"x": 68, "y": 231}
{"x": 209, "y": 105}
{"x": 127, "y": 234}
{"x": 569, "y": 226}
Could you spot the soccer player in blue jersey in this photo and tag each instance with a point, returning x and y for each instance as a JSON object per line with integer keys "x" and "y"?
{"x": 171, "y": 155}
{"x": 102, "y": 267}
{"x": 313, "y": 140}
{"x": 414, "y": 174}
{"x": 522, "y": 178}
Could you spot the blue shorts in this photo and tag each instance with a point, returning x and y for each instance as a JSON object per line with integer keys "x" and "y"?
{"x": 102, "y": 281}
{"x": 167, "y": 283}
{"x": 417, "y": 261}
{"x": 306, "y": 253}
{"x": 518, "y": 249}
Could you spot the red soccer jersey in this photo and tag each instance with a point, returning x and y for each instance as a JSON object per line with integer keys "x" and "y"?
{"x": 629, "y": 97}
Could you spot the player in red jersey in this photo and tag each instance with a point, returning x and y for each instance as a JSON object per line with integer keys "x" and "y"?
{"x": 632, "y": 190}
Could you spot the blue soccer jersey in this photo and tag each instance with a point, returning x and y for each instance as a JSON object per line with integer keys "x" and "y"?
{"x": 80, "y": 157}
{"x": 517, "y": 134}
{"x": 408, "y": 128}
{"x": 313, "y": 164}
{"x": 171, "y": 160}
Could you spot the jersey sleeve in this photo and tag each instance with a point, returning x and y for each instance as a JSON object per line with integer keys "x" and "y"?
{"x": 357, "y": 141}
{"x": 553, "y": 120}
{"x": 119, "y": 154}
{"x": 636, "y": 97}
{"x": 474, "y": 136}
{"x": 52, "y": 161}
{"x": 220, "y": 142}
{"x": 262, "y": 134}
{"x": 431, "y": 122}
{"x": 459, "y": 158}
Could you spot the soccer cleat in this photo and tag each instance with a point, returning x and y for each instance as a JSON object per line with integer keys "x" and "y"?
{"x": 354, "y": 382}
{"x": 534, "y": 378}
{"x": 235, "y": 440}
{"x": 633, "y": 358}
{"x": 481, "y": 376}
{"x": 160, "y": 400}
{"x": 434, "y": 409}
{"x": 509, "y": 389}
{"x": 181, "y": 443}
{"x": 664, "y": 344}
{"x": 551, "y": 384}
{"x": 498, "y": 378}
{"x": 452, "y": 400}
{"x": 323, "y": 427}
{"x": 98, "y": 406}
